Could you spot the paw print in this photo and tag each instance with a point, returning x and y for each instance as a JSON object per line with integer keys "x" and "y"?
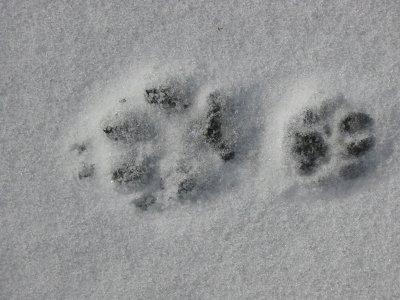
{"x": 142, "y": 147}
{"x": 330, "y": 139}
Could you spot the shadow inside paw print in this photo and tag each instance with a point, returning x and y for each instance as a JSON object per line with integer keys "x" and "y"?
{"x": 86, "y": 171}
{"x": 333, "y": 135}
{"x": 352, "y": 170}
{"x": 143, "y": 203}
{"x": 186, "y": 187}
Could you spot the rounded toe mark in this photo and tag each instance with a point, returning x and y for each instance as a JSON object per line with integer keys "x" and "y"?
{"x": 131, "y": 176}
{"x": 310, "y": 117}
{"x": 360, "y": 147}
{"x": 130, "y": 128}
{"x": 354, "y": 122}
{"x": 169, "y": 97}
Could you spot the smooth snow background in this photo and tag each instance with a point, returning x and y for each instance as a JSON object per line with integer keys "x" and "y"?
{"x": 270, "y": 237}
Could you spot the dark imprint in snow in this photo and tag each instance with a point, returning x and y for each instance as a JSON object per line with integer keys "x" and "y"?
{"x": 310, "y": 142}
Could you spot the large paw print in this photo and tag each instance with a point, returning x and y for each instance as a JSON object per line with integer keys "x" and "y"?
{"x": 331, "y": 139}
{"x": 147, "y": 152}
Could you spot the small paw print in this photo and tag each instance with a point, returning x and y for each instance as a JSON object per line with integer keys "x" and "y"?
{"x": 331, "y": 138}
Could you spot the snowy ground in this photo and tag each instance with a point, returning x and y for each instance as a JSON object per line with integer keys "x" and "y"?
{"x": 254, "y": 226}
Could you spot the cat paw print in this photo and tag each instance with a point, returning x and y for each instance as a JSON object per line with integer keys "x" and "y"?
{"x": 331, "y": 138}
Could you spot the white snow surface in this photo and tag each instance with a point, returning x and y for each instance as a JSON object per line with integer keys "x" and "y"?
{"x": 256, "y": 229}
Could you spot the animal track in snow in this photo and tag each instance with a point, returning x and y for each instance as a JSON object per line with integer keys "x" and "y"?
{"x": 174, "y": 139}
{"x": 330, "y": 138}
{"x": 168, "y": 142}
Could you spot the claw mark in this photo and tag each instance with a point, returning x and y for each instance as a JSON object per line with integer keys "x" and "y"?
{"x": 213, "y": 132}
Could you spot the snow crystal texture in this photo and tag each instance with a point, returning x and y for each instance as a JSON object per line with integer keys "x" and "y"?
{"x": 200, "y": 150}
